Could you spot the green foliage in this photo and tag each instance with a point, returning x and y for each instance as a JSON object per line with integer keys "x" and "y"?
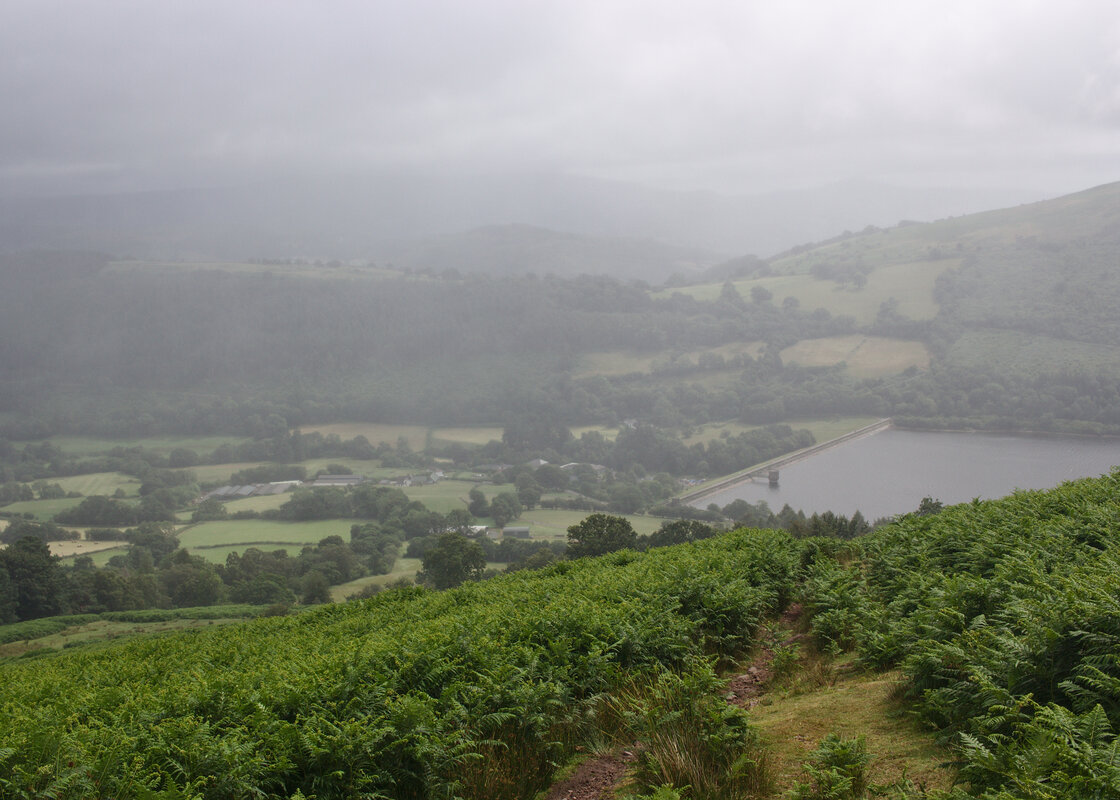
{"x": 692, "y": 740}
{"x": 599, "y": 534}
{"x": 1004, "y": 618}
{"x": 403, "y": 695}
{"x": 837, "y": 770}
{"x": 453, "y": 560}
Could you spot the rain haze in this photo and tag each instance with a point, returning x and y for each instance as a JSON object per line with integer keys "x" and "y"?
{"x": 303, "y": 302}
{"x": 738, "y": 98}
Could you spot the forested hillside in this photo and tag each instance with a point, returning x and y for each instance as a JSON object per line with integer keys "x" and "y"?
{"x": 1000, "y": 320}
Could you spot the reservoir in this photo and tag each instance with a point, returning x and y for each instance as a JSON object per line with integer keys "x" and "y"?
{"x": 889, "y": 473}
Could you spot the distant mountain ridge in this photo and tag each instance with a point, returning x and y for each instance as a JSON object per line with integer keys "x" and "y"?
{"x": 372, "y": 216}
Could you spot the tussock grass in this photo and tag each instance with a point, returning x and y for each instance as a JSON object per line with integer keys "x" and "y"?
{"x": 794, "y": 723}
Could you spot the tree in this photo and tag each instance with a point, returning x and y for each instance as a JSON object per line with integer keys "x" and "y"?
{"x": 599, "y": 534}
{"x": 453, "y": 560}
{"x": 35, "y": 578}
{"x": 316, "y": 588}
{"x": 760, "y": 294}
{"x": 7, "y": 597}
{"x": 679, "y": 532}
{"x": 478, "y": 505}
{"x": 505, "y": 508}
{"x": 928, "y": 507}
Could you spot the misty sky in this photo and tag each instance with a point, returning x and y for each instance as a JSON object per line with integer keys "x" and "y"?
{"x": 103, "y": 95}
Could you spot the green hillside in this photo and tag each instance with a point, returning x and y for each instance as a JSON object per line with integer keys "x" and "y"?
{"x": 994, "y": 622}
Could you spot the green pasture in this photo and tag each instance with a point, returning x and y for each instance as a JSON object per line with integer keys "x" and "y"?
{"x": 82, "y": 547}
{"x": 449, "y": 494}
{"x": 263, "y": 503}
{"x": 404, "y": 568}
{"x": 548, "y": 523}
{"x": 218, "y": 555}
{"x": 468, "y": 435}
{"x": 43, "y": 510}
{"x": 823, "y": 430}
{"x": 1030, "y": 354}
{"x": 610, "y": 434}
{"x": 89, "y": 445}
{"x": 415, "y": 435}
{"x": 611, "y": 363}
{"x": 100, "y": 557}
{"x": 107, "y": 630}
{"x": 261, "y": 533}
{"x": 865, "y": 356}
{"x": 103, "y": 483}
{"x": 909, "y": 283}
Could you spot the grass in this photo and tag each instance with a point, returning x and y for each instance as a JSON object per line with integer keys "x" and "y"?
{"x": 262, "y": 503}
{"x": 106, "y": 630}
{"x": 622, "y": 362}
{"x": 245, "y": 533}
{"x": 610, "y": 434}
{"x": 82, "y": 547}
{"x": 103, "y": 483}
{"x": 42, "y": 510}
{"x": 89, "y": 445}
{"x": 415, "y": 435}
{"x": 855, "y": 704}
{"x": 865, "y": 356}
{"x": 101, "y": 557}
{"x": 469, "y": 435}
{"x": 823, "y": 429}
{"x": 548, "y": 523}
{"x": 1030, "y": 354}
{"x": 218, "y": 555}
{"x": 404, "y": 568}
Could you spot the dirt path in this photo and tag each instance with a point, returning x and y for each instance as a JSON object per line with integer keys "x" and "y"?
{"x": 598, "y": 777}
{"x": 595, "y": 778}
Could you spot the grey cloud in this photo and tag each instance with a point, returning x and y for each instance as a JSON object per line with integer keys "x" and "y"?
{"x": 724, "y": 95}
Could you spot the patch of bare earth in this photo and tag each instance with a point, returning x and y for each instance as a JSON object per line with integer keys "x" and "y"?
{"x": 746, "y": 688}
{"x": 595, "y": 778}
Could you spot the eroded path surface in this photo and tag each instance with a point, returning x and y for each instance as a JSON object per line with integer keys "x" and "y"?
{"x": 595, "y": 778}
{"x": 598, "y": 777}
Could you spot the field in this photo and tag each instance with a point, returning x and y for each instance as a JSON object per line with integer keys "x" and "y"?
{"x": 404, "y": 568}
{"x": 911, "y": 284}
{"x": 81, "y": 547}
{"x": 449, "y": 494}
{"x": 865, "y": 356}
{"x": 87, "y": 445}
{"x": 105, "y": 483}
{"x": 823, "y": 430}
{"x": 547, "y": 523}
{"x": 206, "y": 538}
{"x": 415, "y": 435}
{"x": 620, "y": 362}
{"x": 107, "y": 630}
{"x": 471, "y": 435}
{"x": 1013, "y": 351}
{"x": 42, "y": 510}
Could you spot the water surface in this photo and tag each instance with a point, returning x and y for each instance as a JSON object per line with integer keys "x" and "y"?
{"x": 891, "y": 471}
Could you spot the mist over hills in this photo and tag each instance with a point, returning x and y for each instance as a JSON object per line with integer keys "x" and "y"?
{"x": 419, "y": 220}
